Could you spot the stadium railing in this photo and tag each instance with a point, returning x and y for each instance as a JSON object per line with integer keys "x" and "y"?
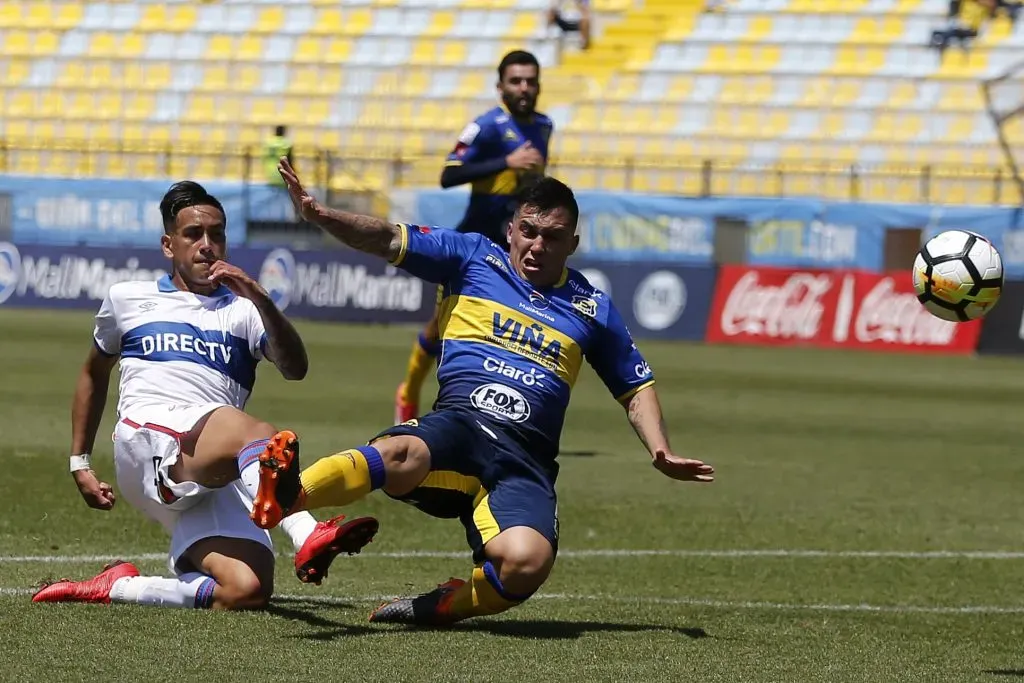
{"x": 372, "y": 172}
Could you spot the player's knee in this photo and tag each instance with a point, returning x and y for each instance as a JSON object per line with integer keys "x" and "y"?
{"x": 259, "y": 430}
{"x": 524, "y": 560}
{"x": 406, "y": 463}
{"x": 244, "y": 591}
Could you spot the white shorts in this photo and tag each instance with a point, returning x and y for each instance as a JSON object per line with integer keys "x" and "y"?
{"x": 146, "y": 445}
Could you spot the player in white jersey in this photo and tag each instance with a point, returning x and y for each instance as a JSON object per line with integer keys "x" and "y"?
{"x": 185, "y": 452}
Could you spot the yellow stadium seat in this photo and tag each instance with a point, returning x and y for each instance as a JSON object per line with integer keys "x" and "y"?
{"x": 525, "y": 25}
{"x": 103, "y": 44}
{"x": 249, "y": 48}
{"x": 307, "y": 50}
{"x": 270, "y": 20}
{"x": 154, "y": 17}
{"x": 441, "y": 24}
{"x": 220, "y": 48}
{"x": 67, "y": 16}
{"x": 338, "y": 51}
{"x": 39, "y": 15}
{"x": 355, "y": 22}
{"x": 328, "y": 22}
{"x": 15, "y": 72}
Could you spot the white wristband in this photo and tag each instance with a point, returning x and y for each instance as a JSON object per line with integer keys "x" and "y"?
{"x": 80, "y": 462}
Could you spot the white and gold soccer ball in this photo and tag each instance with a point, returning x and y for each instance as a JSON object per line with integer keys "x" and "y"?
{"x": 958, "y": 275}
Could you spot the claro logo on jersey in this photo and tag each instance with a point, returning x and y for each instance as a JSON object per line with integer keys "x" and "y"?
{"x": 501, "y": 401}
{"x": 529, "y": 378}
{"x": 67, "y": 277}
{"x": 337, "y": 285}
{"x": 526, "y": 340}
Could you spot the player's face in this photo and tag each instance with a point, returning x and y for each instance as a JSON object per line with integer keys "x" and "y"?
{"x": 540, "y": 243}
{"x": 519, "y": 89}
{"x": 198, "y": 241}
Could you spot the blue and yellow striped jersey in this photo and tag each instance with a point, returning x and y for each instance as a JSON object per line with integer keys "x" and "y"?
{"x": 495, "y": 135}
{"x": 511, "y": 352}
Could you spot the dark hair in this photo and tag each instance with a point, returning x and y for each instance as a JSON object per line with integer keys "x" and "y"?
{"x": 548, "y": 194}
{"x": 181, "y": 196}
{"x": 517, "y": 57}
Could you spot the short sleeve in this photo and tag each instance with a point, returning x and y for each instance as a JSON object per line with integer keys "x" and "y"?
{"x": 616, "y": 359}
{"x": 471, "y": 144}
{"x": 106, "y": 334}
{"x": 434, "y": 254}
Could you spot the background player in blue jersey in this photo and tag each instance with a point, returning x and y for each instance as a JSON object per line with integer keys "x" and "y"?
{"x": 516, "y": 327}
{"x": 497, "y": 153}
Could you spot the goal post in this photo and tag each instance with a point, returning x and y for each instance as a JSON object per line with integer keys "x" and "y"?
{"x": 1004, "y": 102}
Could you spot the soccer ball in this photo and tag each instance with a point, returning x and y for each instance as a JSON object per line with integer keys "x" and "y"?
{"x": 958, "y": 275}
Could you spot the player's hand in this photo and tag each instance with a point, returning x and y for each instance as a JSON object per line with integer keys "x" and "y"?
{"x": 682, "y": 469}
{"x": 525, "y": 157}
{"x": 97, "y": 494}
{"x": 237, "y": 280}
{"x": 305, "y": 204}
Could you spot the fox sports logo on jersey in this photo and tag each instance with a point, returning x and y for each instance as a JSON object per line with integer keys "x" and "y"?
{"x": 10, "y": 270}
{"x": 277, "y": 276}
{"x": 500, "y": 401}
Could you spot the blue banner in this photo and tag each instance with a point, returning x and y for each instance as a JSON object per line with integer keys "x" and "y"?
{"x": 122, "y": 212}
{"x": 657, "y": 300}
{"x": 341, "y": 285}
{"x": 796, "y": 233}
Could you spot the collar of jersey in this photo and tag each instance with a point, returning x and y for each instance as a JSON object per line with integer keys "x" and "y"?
{"x": 165, "y": 285}
{"x": 511, "y": 116}
{"x": 561, "y": 279}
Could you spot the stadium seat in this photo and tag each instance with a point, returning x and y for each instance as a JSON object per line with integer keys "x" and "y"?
{"x": 765, "y": 81}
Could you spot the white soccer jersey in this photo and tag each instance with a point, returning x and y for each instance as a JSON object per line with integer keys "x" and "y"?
{"x": 178, "y": 348}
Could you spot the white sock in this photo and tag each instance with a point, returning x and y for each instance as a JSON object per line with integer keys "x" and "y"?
{"x": 191, "y": 590}
{"x": 299, "y": 527}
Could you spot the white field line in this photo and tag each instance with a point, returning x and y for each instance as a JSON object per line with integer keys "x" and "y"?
{"x": 677, "y": 602}
{"x": 461, "y": 554}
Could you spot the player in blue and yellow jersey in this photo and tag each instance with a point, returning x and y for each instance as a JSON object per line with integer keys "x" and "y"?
{"x": 516, "y": 327}
{"x": 497, "y": 153}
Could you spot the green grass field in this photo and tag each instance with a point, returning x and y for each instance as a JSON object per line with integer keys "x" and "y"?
{"x": 872, "y": 460}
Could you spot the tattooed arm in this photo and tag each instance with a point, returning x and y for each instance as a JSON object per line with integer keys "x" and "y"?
{"x": 365, "y": 233}
{"x": 644, "y": 413}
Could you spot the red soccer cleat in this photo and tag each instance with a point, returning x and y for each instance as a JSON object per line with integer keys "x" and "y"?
{"x": 404, "y": 410}
{"x": 96, "y": 589}
{"x": 328, "y": 540}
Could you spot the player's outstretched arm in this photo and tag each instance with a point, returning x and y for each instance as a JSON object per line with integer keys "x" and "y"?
{"x": 644, "y": 413}
{"x": 365, "y": 233}
{"x": 86, "y": 413}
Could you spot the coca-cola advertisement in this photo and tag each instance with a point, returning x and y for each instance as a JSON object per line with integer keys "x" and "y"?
{"x": 848, "y": 308}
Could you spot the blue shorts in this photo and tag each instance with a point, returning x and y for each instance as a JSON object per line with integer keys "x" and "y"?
{"x": 481, "y": 477}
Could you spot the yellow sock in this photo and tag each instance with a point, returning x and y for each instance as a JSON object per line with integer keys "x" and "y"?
{"x": 342, "y": 478}
{"x": 424, "y": 352}
{"x": 483, "y": 594}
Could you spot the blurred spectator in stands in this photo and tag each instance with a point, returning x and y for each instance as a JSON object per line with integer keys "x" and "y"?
{"x": 276, "y": 146}
{"x": 571, "y": 16}
{"x": 1011, "y": 8}
{"x": 966, "y": 20}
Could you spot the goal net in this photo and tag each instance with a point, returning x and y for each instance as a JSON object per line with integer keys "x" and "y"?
{"x": 1004, "y": 100}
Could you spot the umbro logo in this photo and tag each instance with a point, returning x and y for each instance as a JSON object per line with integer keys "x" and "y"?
{"x": 148, "y": 306}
